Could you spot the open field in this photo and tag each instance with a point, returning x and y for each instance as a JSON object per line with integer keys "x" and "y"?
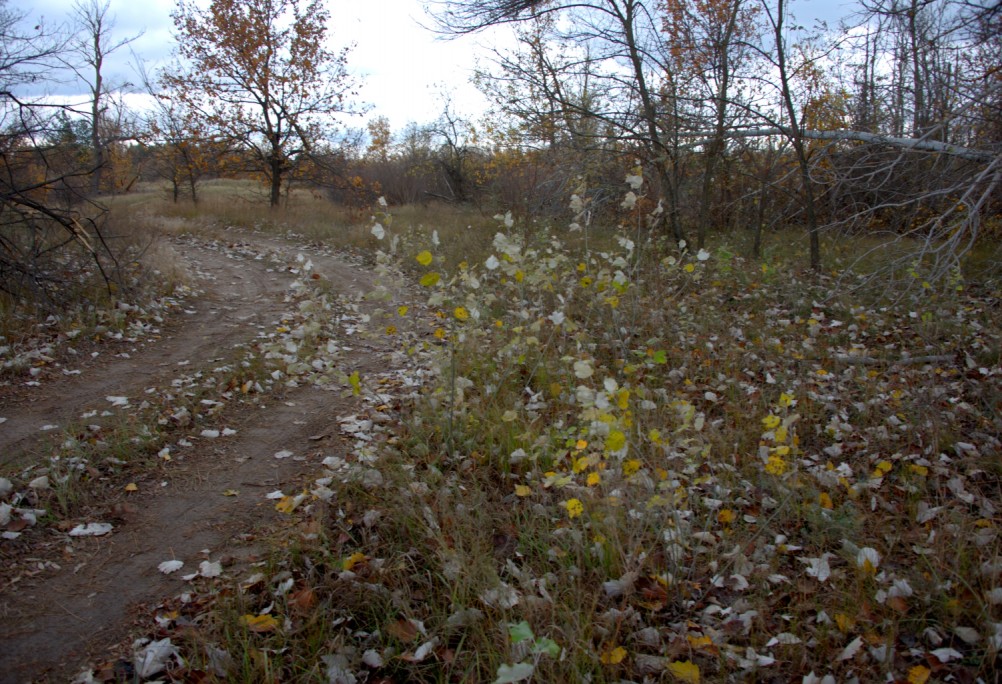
{"x": 516, "y": 452}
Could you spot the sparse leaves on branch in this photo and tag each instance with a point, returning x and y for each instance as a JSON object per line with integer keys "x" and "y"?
{"x": 260, "y": 73}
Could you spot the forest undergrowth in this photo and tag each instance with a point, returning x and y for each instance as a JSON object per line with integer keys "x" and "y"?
{"x": 613, "y": 461}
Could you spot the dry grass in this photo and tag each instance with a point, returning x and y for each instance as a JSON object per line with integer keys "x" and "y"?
{"x": 626, "y": 465}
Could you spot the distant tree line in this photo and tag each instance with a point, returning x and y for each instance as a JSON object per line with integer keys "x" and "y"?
{"x": 737, "y": 118}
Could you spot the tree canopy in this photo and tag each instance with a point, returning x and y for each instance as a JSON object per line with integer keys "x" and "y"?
{"x": 261, "y": 74}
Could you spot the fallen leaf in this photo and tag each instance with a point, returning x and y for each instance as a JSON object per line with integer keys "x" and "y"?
{"x": 302, "y": 601}
{"x": 132, "y": 487}
{"x": 208, "y": 569}
{"x": 402, "y": 630}
{"x": 685, "y": 671}
{"x": 167, "y": 567}
{"x": 259, "y": 623}
{"x": 353, "y": 560}
{"x": 519, "y": 672}
{"x": 91, "y": 530}
{"x": 613, "y": 656}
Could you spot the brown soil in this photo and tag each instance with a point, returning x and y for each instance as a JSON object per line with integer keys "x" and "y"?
{"x": 68, "y": 600}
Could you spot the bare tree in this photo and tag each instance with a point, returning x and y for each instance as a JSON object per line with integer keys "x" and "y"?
{"x": 91, "y": 44}
{"x": 44, "y": 228}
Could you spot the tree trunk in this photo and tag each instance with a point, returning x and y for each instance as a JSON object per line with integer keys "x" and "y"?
{"x": 797, "y": 139}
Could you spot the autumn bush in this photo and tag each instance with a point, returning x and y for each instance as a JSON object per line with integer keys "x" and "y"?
{"x": 610, "y": 461}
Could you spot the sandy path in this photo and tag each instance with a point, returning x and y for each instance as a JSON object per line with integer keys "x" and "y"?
{"x": 52, "y": 622}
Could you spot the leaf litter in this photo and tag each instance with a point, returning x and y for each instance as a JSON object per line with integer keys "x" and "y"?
{"x": 702, "y": 480}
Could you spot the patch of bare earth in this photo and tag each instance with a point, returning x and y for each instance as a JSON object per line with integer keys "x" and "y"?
{"x": 69, "y": 599}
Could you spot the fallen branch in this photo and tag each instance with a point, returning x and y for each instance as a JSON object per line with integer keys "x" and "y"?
{"x": 903, "y": 361}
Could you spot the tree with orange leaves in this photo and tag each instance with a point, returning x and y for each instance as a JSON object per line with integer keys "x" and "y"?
{"x": 260, "y": 74}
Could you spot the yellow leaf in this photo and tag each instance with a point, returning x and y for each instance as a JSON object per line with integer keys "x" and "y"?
{"x": 919, "y": 674}
{"x": 230, "y": 492}
{"x": 613, "y": 656}
{"x": 356, "y": 383}
{"x": 826, "y": 501}
{"x": 685, "y": 671}
{"x": 593, "y": 479}
{"x": 574, "y": 508}
{"x": 353, "y": 560}
{"x": 689, "y": 268}
{"x": 623, "y": 399}
{"x": 726, "y": 516}
{"x": 429, "y": 279}
{"x": 700, "y": 641}
{"x": 522, "y": 490}
{"x": 920, "y": 470}
{"x": 461, "y": 313}
{"x": 630, "y": 467}
{"x": 844, "y": 622}
{"x": 770, "y": 421}
{"x": 132, "y": 487}
{"x": 581, "y": 445}
{"x": 259, "y": 623}
{"x": 287, "y": 504}
{"x": 615, "y": 441}
{"x": 402, "y": 310}
{"x": 424, "y": 258}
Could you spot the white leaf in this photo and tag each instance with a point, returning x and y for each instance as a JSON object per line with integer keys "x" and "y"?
{"x": 850, "y": 651}
{"x": 6, "y": 486}
{"x": 277, "y": 494}
{"x": 377, "y": 231}
{"x": 818, "y": 567}
{"x": 372, "y": 658}
{"x": 968, "y": 634}
{"x": 118, "y": 401}
{"x": 492, "y": 262}
{"x": 167, "y": 567}
{"x": 39, "y": 483}
{"x": 868, "y": 555}
{"x": 425, "y": 650}
{"x": 228, "y": 432}
{"x": 519, "y": 672}
{"x": 154, "y": 657}
{"x": 583, "y": 369}
{"x": 210, "y": 434}
{"x": 284, "y": 453}
{"x": 945, "y": 655}
{"x": 207, "y": 569}
{"x": 702, "y": 255}
{"x": 91, "y": 530}
{"x": 784, "y": 638}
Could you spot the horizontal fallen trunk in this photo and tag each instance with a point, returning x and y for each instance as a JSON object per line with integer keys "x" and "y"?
{"x": 903, "y": 361}
{"x": 916, "y": 144}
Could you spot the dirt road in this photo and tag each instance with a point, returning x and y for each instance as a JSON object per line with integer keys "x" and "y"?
{"x": 77, "y": 596}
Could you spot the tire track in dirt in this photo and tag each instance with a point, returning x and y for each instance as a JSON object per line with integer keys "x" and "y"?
{"x": 50, "y": 624}
{"x": 240, "y": 295}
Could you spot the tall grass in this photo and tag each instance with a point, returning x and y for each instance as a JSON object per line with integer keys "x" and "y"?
{"x": 627, "y": 462}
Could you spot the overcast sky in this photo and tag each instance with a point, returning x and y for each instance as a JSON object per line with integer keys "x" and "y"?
{"x": 402, "y": 67}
